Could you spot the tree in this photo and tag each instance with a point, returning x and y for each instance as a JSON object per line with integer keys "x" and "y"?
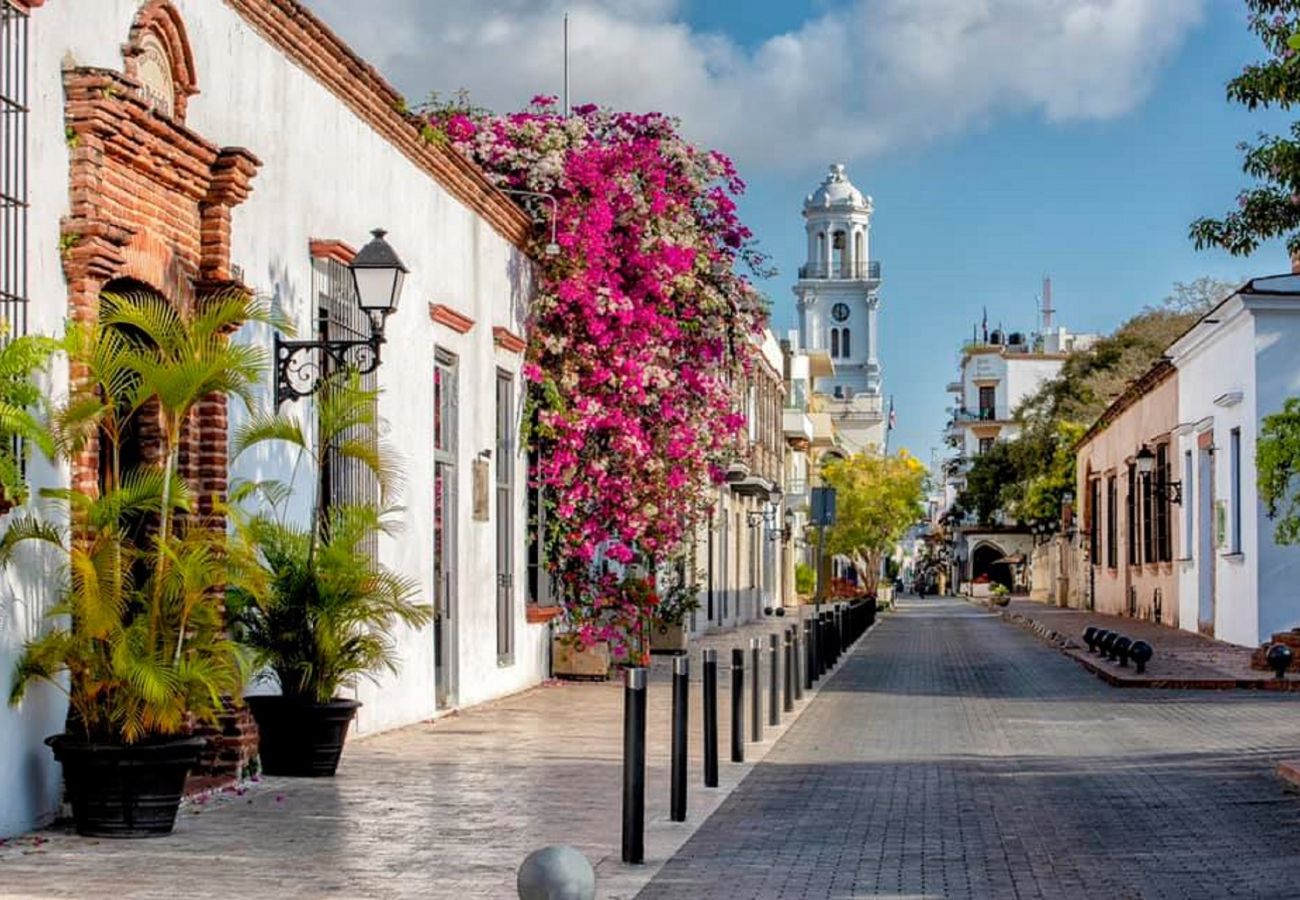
{"x": 1271, "y": 208}
{"x": 877, "y": 499}
{"x": 1277, "y": 458}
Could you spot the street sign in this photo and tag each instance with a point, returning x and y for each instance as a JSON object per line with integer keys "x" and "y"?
{"x": 823, "y": 506}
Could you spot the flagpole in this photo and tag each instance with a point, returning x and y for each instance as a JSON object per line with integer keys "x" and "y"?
{"x": 566, "y": 65}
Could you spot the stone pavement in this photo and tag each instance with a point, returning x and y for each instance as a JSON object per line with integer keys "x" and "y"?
{"x": 955, "y": 756}
{"x": 441, "y": 809}
{"x": 1183, "y": 659}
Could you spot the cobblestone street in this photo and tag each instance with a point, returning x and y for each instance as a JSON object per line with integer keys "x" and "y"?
{"x": 955, "y": 755}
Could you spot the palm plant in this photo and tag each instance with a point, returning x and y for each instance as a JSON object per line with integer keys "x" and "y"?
{"x": 325, "y": 615}
{"x": 20, "y": 395}
{"x": 139, "y": 644}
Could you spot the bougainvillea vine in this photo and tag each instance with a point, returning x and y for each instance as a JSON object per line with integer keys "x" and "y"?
{"x": 639, "y": 337}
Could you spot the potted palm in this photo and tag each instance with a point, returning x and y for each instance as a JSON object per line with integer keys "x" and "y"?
{"x": 138, "y": 642}
{"x": 321, "y": 615}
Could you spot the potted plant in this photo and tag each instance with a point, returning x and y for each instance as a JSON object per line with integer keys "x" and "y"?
{"x": 999, "y": 594}
{"x": 676, "y": 600}
{"x": 138, "y": 642}
{"x": 321, "y": 615}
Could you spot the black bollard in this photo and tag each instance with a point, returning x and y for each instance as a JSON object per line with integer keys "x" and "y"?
{"x": 710, "y": 718}
{"x": 756, "y": 690}
{"x": 681, "y": 705}
{"x": 788, "y": 647}
{"x": 797, "y": 657}
{"x": 810, "y": 638}
{"x": 823, "y": 644}
{"x": 773, "y": 682}
{"x": 737, "y": 705}
{"x": 1141, "y": 654}
{"x": 634, "y": 703}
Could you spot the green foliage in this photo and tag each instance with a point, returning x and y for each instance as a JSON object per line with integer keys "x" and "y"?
{"x": 322, "y": 612}
{"x": 877, "y": 499}
{"x": 1277, "y": 459}
{"x": 20, "y": 395}
{"x": 678, "y": 595}
{"x": 1270, "y": 208}
{"x": 139, "y": 643}
{"x": 805, "y": 578}
{"x": 1025, "y": 478}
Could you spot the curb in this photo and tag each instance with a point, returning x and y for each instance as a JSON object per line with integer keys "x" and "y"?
{"x": 1072, "y": 649}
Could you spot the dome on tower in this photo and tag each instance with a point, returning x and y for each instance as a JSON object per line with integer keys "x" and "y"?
{"x": 836, "y": 191}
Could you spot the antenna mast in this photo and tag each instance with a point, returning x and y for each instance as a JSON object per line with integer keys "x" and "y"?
{"x": 1047, "y": 303}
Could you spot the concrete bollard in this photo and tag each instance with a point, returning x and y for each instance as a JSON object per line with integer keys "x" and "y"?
{"x": 558, "y": 872}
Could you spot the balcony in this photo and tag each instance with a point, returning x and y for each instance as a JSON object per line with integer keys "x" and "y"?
{"x": 797, "y": 426}
{"x": 955, "y": 387}
{"x": 860, "y": 271}
{"x": 983, "y": 414}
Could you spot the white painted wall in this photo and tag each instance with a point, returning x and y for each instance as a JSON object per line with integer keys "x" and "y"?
{"x": 1210, "y": 364}
{"x": 1277, "y": 377}
{"x": 325, "y": 174}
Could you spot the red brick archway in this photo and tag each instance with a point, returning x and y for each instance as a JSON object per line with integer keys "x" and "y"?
{"x": 150, "y": 202}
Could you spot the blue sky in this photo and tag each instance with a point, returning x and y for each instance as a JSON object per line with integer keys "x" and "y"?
{"x": 1001, "y": 140}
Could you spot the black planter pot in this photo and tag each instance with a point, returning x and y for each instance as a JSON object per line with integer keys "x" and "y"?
{"x": 125, "y": 791}
{"x": 299, "y": 738}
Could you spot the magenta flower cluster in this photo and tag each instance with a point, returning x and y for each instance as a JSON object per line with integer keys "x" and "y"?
{"x": 639, "y": 338}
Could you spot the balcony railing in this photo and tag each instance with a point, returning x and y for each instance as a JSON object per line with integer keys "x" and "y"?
{"x": 983, "y": 414}
{"x": 860, "y": 271}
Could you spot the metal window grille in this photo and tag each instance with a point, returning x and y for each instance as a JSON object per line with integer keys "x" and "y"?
{"x": 344, "y": 480}
{"x": 1112, "y": 517}
{"x": 1130, "y": 510}
{"x": 1163, "y": 513}
{"x": 13, "y": 170}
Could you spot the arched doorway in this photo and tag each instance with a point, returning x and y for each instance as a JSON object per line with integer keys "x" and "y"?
{"x": 985, "y": 560}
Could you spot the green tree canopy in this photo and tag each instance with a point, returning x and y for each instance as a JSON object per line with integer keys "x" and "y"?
{"x": 877, "y": 498}
{"x": 1277, "y": 457}
{"x": 1271, "y": 207}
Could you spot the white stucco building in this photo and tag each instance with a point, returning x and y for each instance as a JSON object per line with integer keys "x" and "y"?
{"x": 997, "y": 371}
{"x": 1236, "y": 365}
{"x": 183, "y": 146}
{"x": 838, "y": 300}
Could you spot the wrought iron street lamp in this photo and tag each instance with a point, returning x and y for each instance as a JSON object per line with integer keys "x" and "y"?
{"x": 377, "y": 278}
{"x": 1146, "y": 465}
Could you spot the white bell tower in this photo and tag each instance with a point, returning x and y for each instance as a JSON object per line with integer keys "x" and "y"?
{"x": 838, "y": 298}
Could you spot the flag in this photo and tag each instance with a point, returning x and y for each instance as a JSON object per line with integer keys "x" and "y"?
{"x": 893, "y": 419}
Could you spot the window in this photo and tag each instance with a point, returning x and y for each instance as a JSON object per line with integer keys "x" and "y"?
{"x": 13, "y": 170}
{"x": 986, "y": 444}
{"x": 1130, "y": 512}
{"x": 445, "y": 517}
{"x": 505, "y": 489}
{"x": 344, "y": 481}
{"x": 1234, "y": 462}
{"x": 835, "y": 342}
{"x": 1164, "y": 542}
{"x": 1148, "y": 518}
{"x": 988, "y": 403}
{"x": 838, "y": 259}
{"x": 845, "y": 349}
{"x": 1188, "y": 494}
{"x": 1094, "y": 521}
{"x": 539, "y": 579}
{"x": 1112, "y": 524}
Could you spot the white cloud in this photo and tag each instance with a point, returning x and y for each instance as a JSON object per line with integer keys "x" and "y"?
{"x": 863, "y": 78}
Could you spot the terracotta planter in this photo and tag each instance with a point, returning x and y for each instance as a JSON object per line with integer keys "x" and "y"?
{"x": 125, "y": 791}
{"x": 572, "y": 660}
{"x": 668, "y": 638}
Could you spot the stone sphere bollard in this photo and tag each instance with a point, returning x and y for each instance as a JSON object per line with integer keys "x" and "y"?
{"x": 1090, "y": 638}
{"x": 556, "y": 873}
{"x": 1141, "y": 653}
{"x": 1279, "y": 658}
{"x": 1122, "y": 646}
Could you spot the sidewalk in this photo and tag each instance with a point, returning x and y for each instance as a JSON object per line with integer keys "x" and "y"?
{"x": 1183, "y": 659}
{"x": 448, "y": 808}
